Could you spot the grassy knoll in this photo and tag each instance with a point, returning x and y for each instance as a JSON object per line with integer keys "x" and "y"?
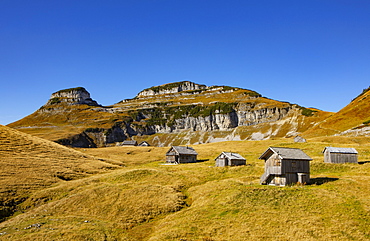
{"x": 146, "y": 200}
{"x": 355, "y": 114}
{"x": 29, "y": 163}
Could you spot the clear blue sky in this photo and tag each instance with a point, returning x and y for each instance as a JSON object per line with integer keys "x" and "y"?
{"x": 315, "y": 53}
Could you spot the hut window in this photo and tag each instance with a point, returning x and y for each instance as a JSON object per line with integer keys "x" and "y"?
{"x": 277, "y": 162}
{"x": 294, "y": 164}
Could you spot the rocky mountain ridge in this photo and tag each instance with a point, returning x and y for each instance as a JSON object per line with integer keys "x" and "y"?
{"x": 171, "y": 88}
{"x": 72, "y": 96}
{"x": 165, "y": 114}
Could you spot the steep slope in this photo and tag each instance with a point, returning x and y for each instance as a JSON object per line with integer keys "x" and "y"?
{"x": 171, "y": 110}
{"x": 353, "y": 119}
{"x": 29, "y": 163}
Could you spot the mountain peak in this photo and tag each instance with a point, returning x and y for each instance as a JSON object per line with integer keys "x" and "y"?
{"x": 171, "y": 88}
{"x": 72, "y": 96}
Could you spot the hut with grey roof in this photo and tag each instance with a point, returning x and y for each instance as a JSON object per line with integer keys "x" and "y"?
{"x": 181, "y": 154}
{"x": 144, "y": 143}
{"x": 229, "y": 159}
{"x": 284, "y": 166}
{"x": 340, "y": 155}
{"x": 129, "y": 143}
{"x": 299, "y": 139}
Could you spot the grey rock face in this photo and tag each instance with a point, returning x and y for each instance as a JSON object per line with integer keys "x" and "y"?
{"x": 72, "y": 96}
{"x": 171, "y": 88}
{"x": 225, "y": 121}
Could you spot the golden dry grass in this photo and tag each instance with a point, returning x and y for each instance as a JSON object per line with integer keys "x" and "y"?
{"x": 64, "y": 121}
{"x": 149, "y": 201}
{"x": 29, "y": 163}
{"x": 352, "y": 115}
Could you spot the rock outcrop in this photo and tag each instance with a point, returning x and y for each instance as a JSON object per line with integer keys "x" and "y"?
{"x": 73, "y": 96}
{"x": 171, "y": 88}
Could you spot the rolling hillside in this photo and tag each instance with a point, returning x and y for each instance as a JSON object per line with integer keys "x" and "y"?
{"x": 353, "y": 119}
{"x": 147, "y": 200}
{"x": 29, "y": 163}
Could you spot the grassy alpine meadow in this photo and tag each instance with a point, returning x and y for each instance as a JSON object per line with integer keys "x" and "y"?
{"x": 143, "y": 199}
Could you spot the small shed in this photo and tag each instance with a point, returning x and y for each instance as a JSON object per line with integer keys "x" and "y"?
{"x": 229, "y": 159}
{"x": 181, "y": 154}
{"x": 144, "y": 143}
{"x": 340, "y": 155}
{"x": 299, "y": 139}
{"x": 284, "y": 166}
{"x": 129, "y": 143}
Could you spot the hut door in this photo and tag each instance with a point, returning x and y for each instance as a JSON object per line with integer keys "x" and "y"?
{"x": 302, "y": 178}
{"x": 177, "y": 159}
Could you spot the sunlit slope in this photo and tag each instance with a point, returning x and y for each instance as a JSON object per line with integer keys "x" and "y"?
{"x": 29, "y": 163}
{"x": 353, "y": 115}
{"x": 225, "y": 108}
{"x": 150, "y": 201}
{"x": 62, "y": 120}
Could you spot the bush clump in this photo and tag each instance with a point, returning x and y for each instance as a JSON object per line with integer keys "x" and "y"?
{"x": 94, "y": 130}
{"x": 307, "y": 112}
{"x": 55, "y": 100}
{"x": 363, "y": 92}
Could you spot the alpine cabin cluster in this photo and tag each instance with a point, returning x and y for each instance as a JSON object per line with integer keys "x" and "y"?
{"x": 283, "y": 166}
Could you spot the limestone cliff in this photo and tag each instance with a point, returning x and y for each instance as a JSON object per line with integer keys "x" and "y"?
{"x": 171, "y": 88}
{"x": 72, "y": 96}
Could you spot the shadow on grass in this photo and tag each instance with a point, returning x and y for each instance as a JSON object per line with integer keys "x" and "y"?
{"x": 364, "y": 162}
{"x": 322, "y": 180}
{"x": 203, "y": 160}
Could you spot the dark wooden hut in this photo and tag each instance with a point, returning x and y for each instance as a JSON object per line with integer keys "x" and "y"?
{"x": 340, "y": 155}
{"x": 181, "y": 154}
{"x": 229, "y": 159}
{"x": 284, "y": 166}
{"x": 129, "y": 143}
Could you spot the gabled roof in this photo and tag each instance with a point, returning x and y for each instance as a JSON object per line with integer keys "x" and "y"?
{"x": 144, "y": 143}
{"x": 129, "y": 143}
{"x": 231, "y": 155}
{"x": 285, "y": 153}
{"x": 183, "y": 150}
{"x": 341, "y": 150}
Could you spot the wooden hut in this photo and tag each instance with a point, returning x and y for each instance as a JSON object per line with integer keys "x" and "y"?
{"x": 340, "y": 155}
{"x": 181, "y": 154}
{"x": 129, "y": 143}
{"x": 284, "y": 166}
{"x": 144, "y": 143}
{"x": 299, "y": 139}
{"x": 229, "y": 159}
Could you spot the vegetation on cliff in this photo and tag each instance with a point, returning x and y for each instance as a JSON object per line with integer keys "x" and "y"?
{"x": 170, "y": 86}
{"x": 82, "y": 89}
